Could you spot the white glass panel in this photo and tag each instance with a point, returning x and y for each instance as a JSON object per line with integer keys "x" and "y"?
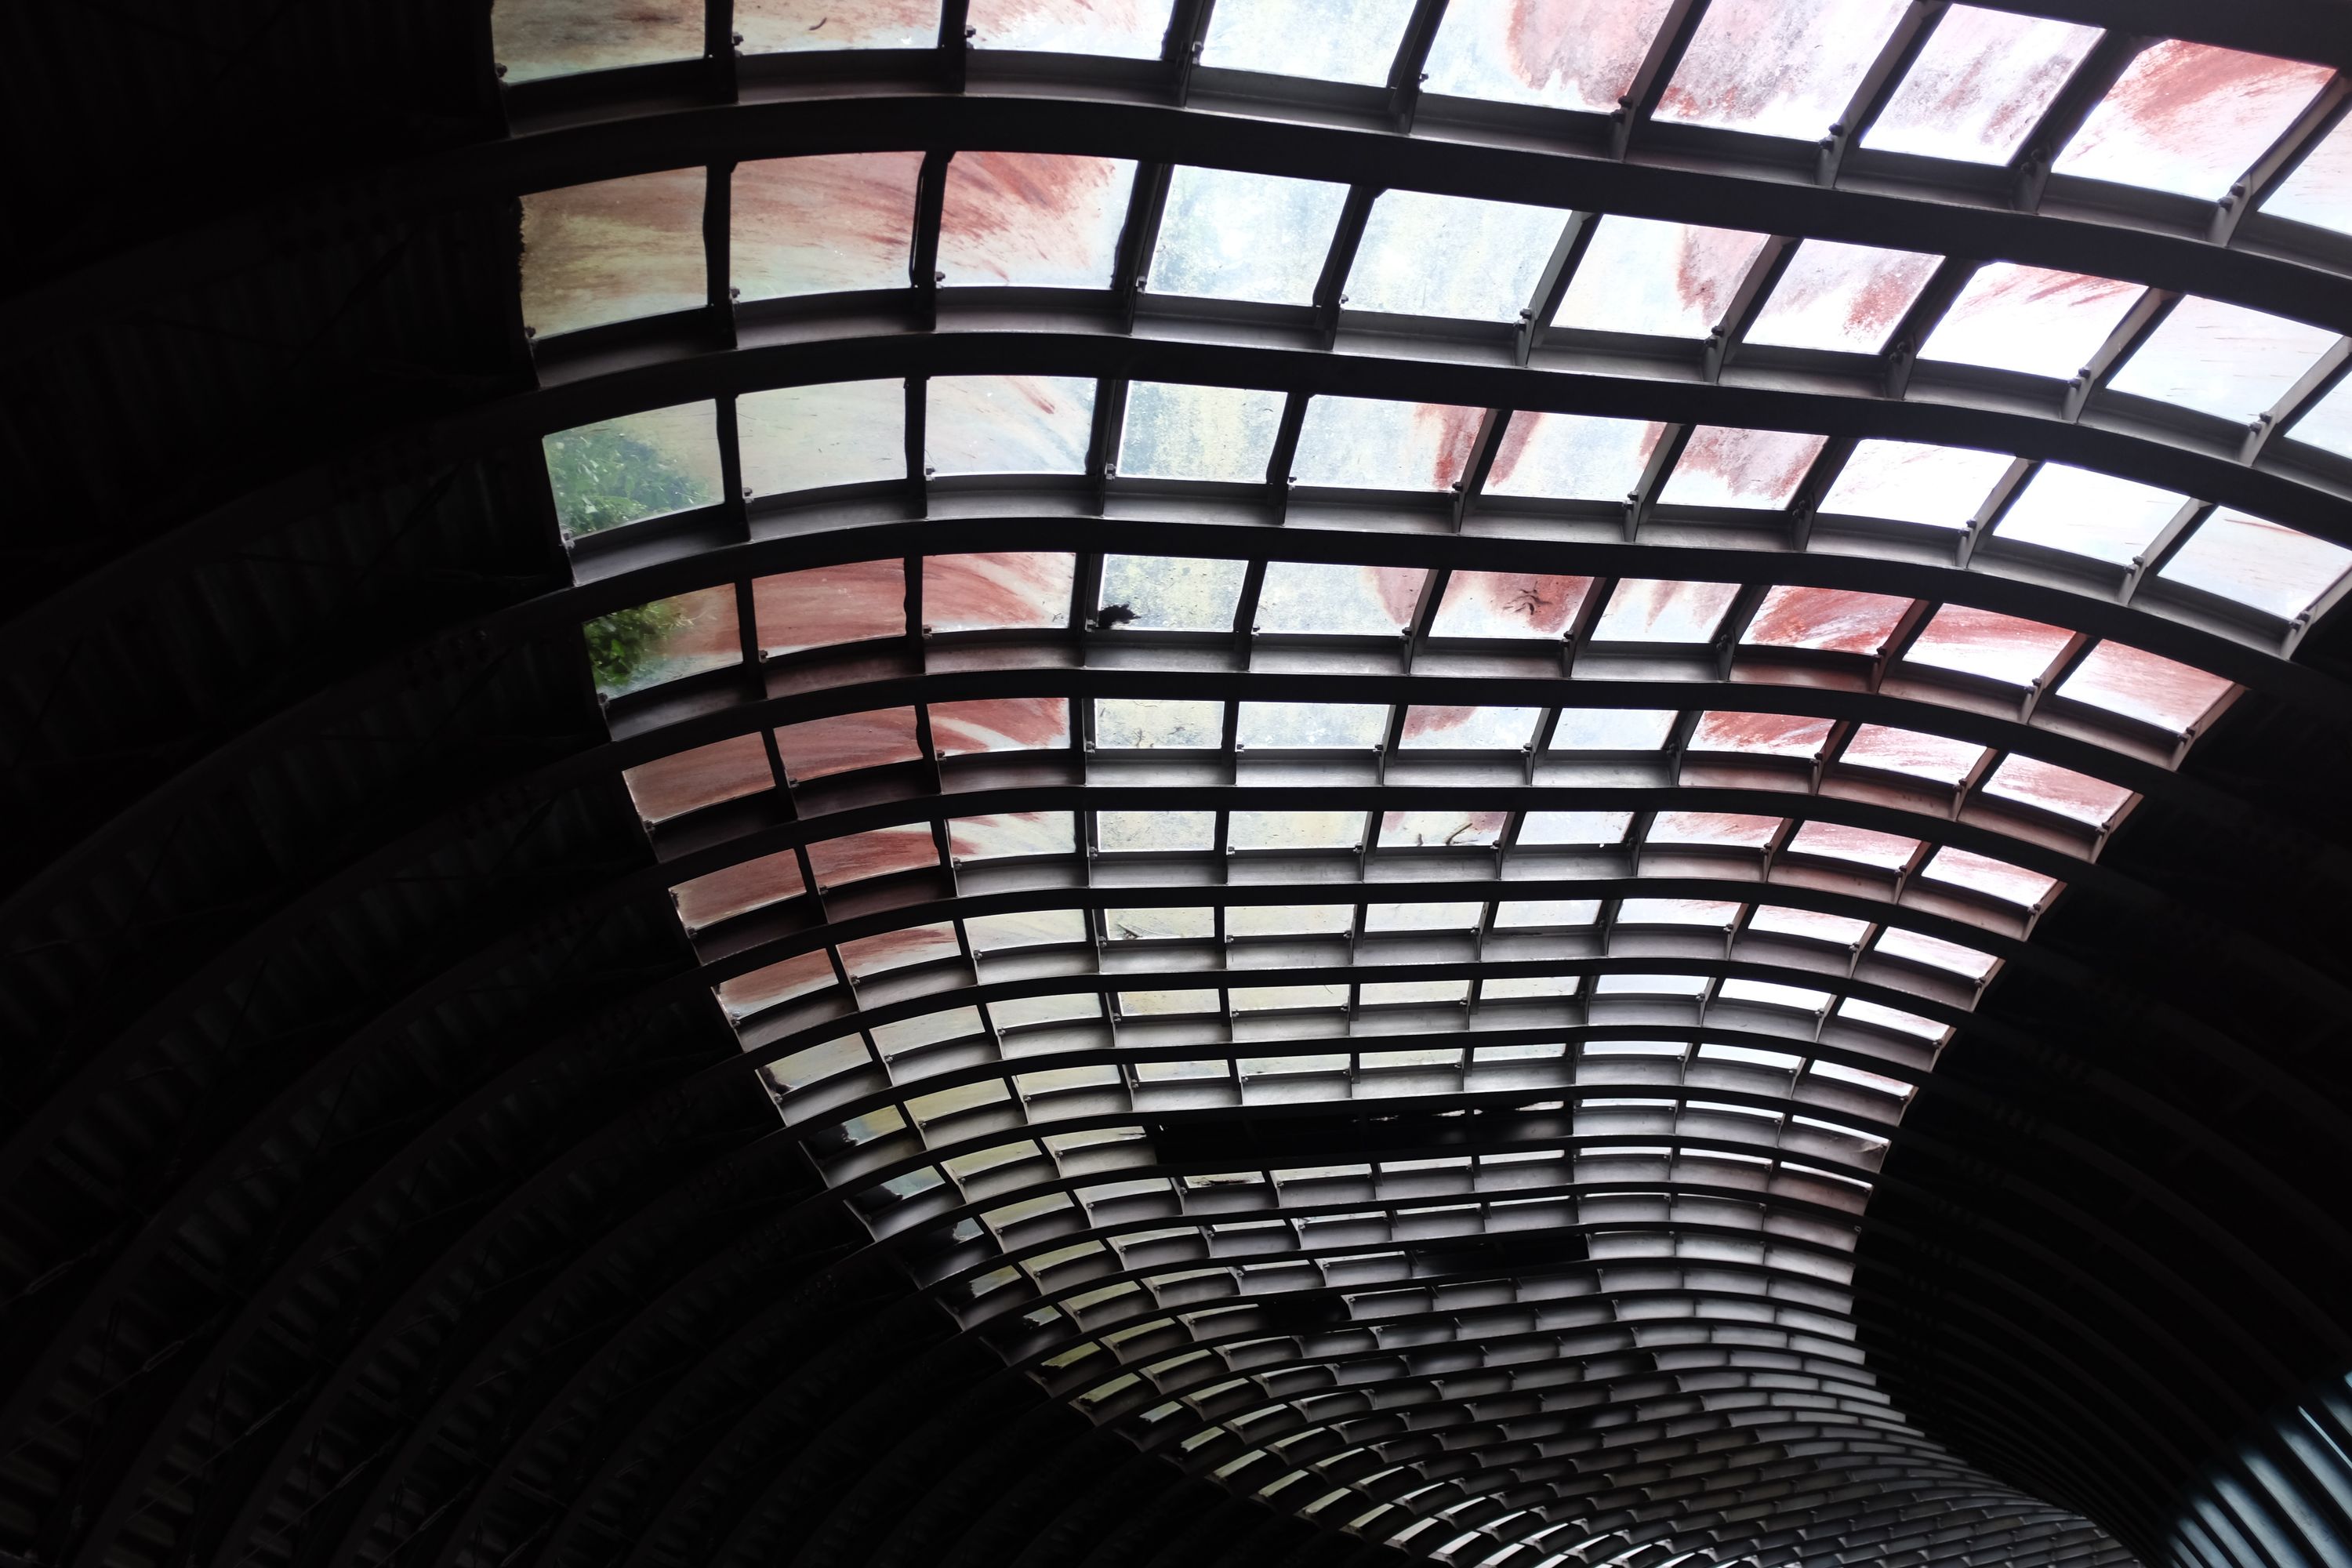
{"x": 1441, "y": 829}
{"x": 1575, "y": 827}
{"x": 1777, "y": 67}
{"x": 1509, "y": 604}
{"x": 1728, "y": 467}
{"x": 1308, "y": 596}
{"x": 2222, "y": 359}
{"x": 1367, "y": 442}
{"x": 1664, "y": 279}
{"x": 1981, "y": 642}
{"x": 2030, "y": 318}
{"x": 1560, "y": 54}
{"x": 2328, "y": 424}
{"x": 1649, "y": 610}
{"x": 814, "y": 225}
{"x": 1938, "y": 758}
{"x": 1158, "y": 592}
{"x": 1760, "y": 734}
{"x": 1980, "y": 85}
{"x": 2319, "y": 192}
{"x": 1010, "y": 832}
{"x": 1155, "y": 830}
{"x": 2258, "y": 564}
{"x": 1353, "y": 726}
{"x": 800, "y": 438}
{"x": 1009, "y": 423}
{"x": 2097, "y": 515}
{"x": 1612, "y": 728}
{"x": 1296, "y": 829}
{"x": 1332, "y": 41}
{"x": 1230, "y": 236}
{"x": 1469, "y": 729}
{"x": 1182, "y": 432}
{"x": 1494, "y": 252}
{"x": 1847, "y": 298}
{"x": 1290, "y": 919}
{"x": 772, "y": 26}
{"x": 2142, "y": 686}
{"x": 613, "y": 251}
{"x": 1937, "y": 487}
{"x": 1130, "y": 29}
{"x": 2190, "y": 118}
{"x": 1567, "y": 457}
{"x": 1132, "y": 722}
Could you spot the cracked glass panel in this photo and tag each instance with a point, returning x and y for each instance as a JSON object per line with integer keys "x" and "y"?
{"x": 779, "y": 26}
{"x": 1164, "y": 594}
{"x": 2190, "y": 118}
{"x": 1777, "y": 67}
{"x": 1130, "y": 29}
{"x": 1659, "y": 279}
{"x": 839, "y": 433}
{"x": 1439, "y": 830}
{"x": 816, "y": 225}
{"x": 1905, "y": 482}
{"x": 1980, "y": 85}
{"x": 1509, "y": 604}
{"x": 1559, "y": 56}
{"x": 2088, "y": 513}
{"x": 2030, "y": 320}
{"x": 1225, "y": 235}
{"x": 1652, "y": 610}
{"x": 1731, "y": 467}
{"x": 2258, "y": 564}
{"x": 2222, "y": 359}
{"x": 1182, "y": 432}
{"x": 1568, "y": 456}
{"x": 639, "y": 466}
{"x": 613, "y": 250}
{"x": 1495, "y": 252}
{"x": 1363, "y": 442}
{"x": 1009, "y": 423}
{"x": 1847, "y": 298}
{"x": 1330, "y": 40}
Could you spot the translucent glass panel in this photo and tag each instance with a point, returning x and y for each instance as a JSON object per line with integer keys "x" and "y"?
{"x": 1721, "y": 466}
{"x": 613, "y": 250}
{"x": 1010, "y": 590}
{"x": 1836, "y": 841}
{"x": 775, "y": 27}
{"x": 1367, "y": 442}
{"x": 2061, "y": 791}
{"x": 1036, "y": 219}
{"x": 1493, "y": 251}
{"x": 1330, "y": 40}
{"x": 1647, "y": 610}
{"x": 637, "y": 466}
{"x": 1468, "y": 729}
{"x": 1993, "y": 878}
{"x": 2257, "y": 563}
{"x": 1509, "y": 604}
{"x": 1980, "y": 85}
{"x": 1000, "y": 724}
{"x": 2097, "y": 515}
{"x": 668, "y": 639}
{"x": 2030, "y": 318}
{"x": 1367, "y": 601}
{"x": 829, "y": 605}
{"x": 2222, "y": 359}
{"x": 1312, "y": 726}
{"x": 1937, "y": 486}
{"x": 1777, "y": 67}
{"x": 1182, "y": 432}
{"x": 538, "y": 38}
{"x": 737, "y": 889}
{"x": 1567, "y": 457}
{"x": 1009, "y": 423}
{"x": 1139, "y": 722}
{"x": 1437, "y": 830}
{"x": 1563, "y": 54}
{"x": 2328, "y": 424}
{"x": 2190, "y": 118}
{"x": 2142, "y": 686}
{"x": 816, "y": 225}
{"x": 822, "y": 747}
{"x": 884, "y": 852}
{"x": 1847, "y": 298}
{"x": 1296, "y": 829}
{"x": 1729, "y": 830}
{"x": 705, "y": 775}
{"x": 1836, "y": 620}
{"x": 1153, "y": 592}
{"x": 1980, "y": 642}
{"x": 1131, "y": 29}
{"x": 1662, "y": 279}
{"x": 1913, "y": 752}
{"x": 1760, "y": 734}
{"x": 2319, "y": 191}
{"x": 800, "y": 438}
{"x": 1229, "y": 236}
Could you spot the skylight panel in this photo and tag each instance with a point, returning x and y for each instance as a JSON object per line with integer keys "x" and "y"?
{"x": 748, "y": 993}
{"x": 1509, "y": 604}
{"x": 1009, "y": 423}
{"x": 838, "y": 432}
{"x": 773, "y": 27}
{"x": 1000, "y": 724}
{"x": 1171, "y": 924}
{"x": 827, "y": 605}
{"x": 681, "y": 635}
{"x": 1567, "y": 912}
{"x": 1312, "y": 726}
{"x": 1715, "y": 913}
{"x": 1370, "y": 443}
{"x": 1007, "y": 590}
{"x": 2190, "y": 118}
{"x": 1559, "y": 56}
{"x": 2319, "y": 191}
{"x": 2030, "y": 320}
{"x": 1937, "y": 758}
{"x": 1848, "y": 298}
{"x": 703, "y": 775}
{"x": 2222, "y": 359}
{"x": 633, "y": 467}
{"x": 1905, "y": 481}
{"x": 1731, "y": 467}
{"x": 1726, "y": 829}
{"x": 1230, "y": 236}
{"x": 1169, "y": 594}
{"x": 1760, "y": 734}
{"x": 1777, "y": 67}
{"x": 1775, "y": 920}
{"x": 1007, "y": 834}
{"x": 1981, "y": 642}
{"x": 1328, "y": 40}
{"x": 1568, "y": 456}
{"x": 1468, "y": 729}
{"x": 883, "y": 852}
{"x": 816, "y": 226}
{"x": 1993, "y": 878}
{"x": 2088, "y": 513}
{"x": 1122, "y": 723}
{"x": 1837, "y": 620}
{"x": 1936, "y": 953}
{"x": 2257, "y": 563}
{"x": 1612, "y": 728}
{"x": 1365, "y": 601}
{"x": 1651, "y": 610}
{"x": 846, "y": 742}
{"x": 737, "y": 889}
{"x": 2145, "y": 686}
{"x": 898, "y": 949}
{"x": 1543, "y": 828}
{"x": 1290, "y": 919}
{"x": 534, "y": 39}
{"x": 1038, "y": 220}
{"x": 1863, "y": 847}
{"x": 1296, "y": 829}
{"x": 2328, "y": 424}
{"x": 1440, "y": 830}
{"x": 2031, "y": 782}
{"x": 1494, "y": 252}
{"x": 1660, "y": 279}
{"x": 1129, "y": 30}
{"x": 1175, "y": 431}
{"x": 1980, "y": 85}
{"x": 613, "y": 251}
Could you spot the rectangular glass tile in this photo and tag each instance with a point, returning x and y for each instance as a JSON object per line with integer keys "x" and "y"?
{"x": 647, "y": 645}
{"x": 534, "y": 39}
{"x": 1169, "y": 594}
{"x": 2257, "y": 563}
{"x": 1660, "y": 279}
{"x": 1568, "y": 456}
{"x": 1122, "y": 723}
{"x": 1468, "y": 729}
{"x": 1309, "y": 596}
{"x": 1000, "y": 724}
{"x": 1904, "y": 481}
{"x": 1370, "y": 444}
{"x": 1129, "y": 30}
{"x": 828, "y": 604}
{"x": 1847, "y": 298}
{"x": 1612, "y": 728}
{"x": 2319, "y": 191}
{"x": 614, "y": 251}
{"x": 1724, "y": 828}
{"x": 1980, "y": 85}
{"x": 1037, "y": 220}
{"x": 822, "y": 224}
{"x": 778, "y": 26}
{"x": 1296, "y": 829}
{"x": 1182, "y": 432}
{"x": 2327, "y": 422}
{"x": 1440, "y": 830}
{"x": 1716, "y": 913}
{"x": 1760, "y": 734}
{"x": 2068, "y": 793}
{"x": 1649, "y": 610}
{"x": 798, "y": 976}
{"x": 1729, "y": 468}
{"x": 883, "y": 852}
{"x": 1837, "y": 841}
{"x": 1777, "y": 67}
{"x": 2030, "y": 320}
{"x": 737, "y": 889}
{"x": 891, "y": 950}
{"x": 1775, "y": 920}
{"x": 1557, "y": 53}
{"x": 1836, "y": 620}
{"x": 1321, "y": 726}
{"x": 705, "y": 775}
{"x": 1290, "y": 919}
{"x": 1225, "y": 235}
{"x": 848, "y": 741}
{"x": 2222, "y": 359}
{"x": 1330, "y": 40}
{"x": 1509, "y": 604}
{"x": 1981, "y": 642}
{"x": 1009, "y": 423}
{"x": 1157, "y": 832}
{"x": 1993, "y": 878}
{"x": 1935, "y": 954}
{"x": 1543, "y": 828}
{"x": 1006, "y": 835}
{"x": 1937, "y": 758}
{"x": 2190, "y": 118}
{"x": 633, "y": 467}
{"x": 1160, "y": 924}
{"x": 1566, "y": 913}
{"x": 1494, "y": 251}
{"x": 2145, "y": 686}
{"x": 838, "y": 432}
{"x": 1008, "y": 590}
{"x": 2097, "y": 515}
